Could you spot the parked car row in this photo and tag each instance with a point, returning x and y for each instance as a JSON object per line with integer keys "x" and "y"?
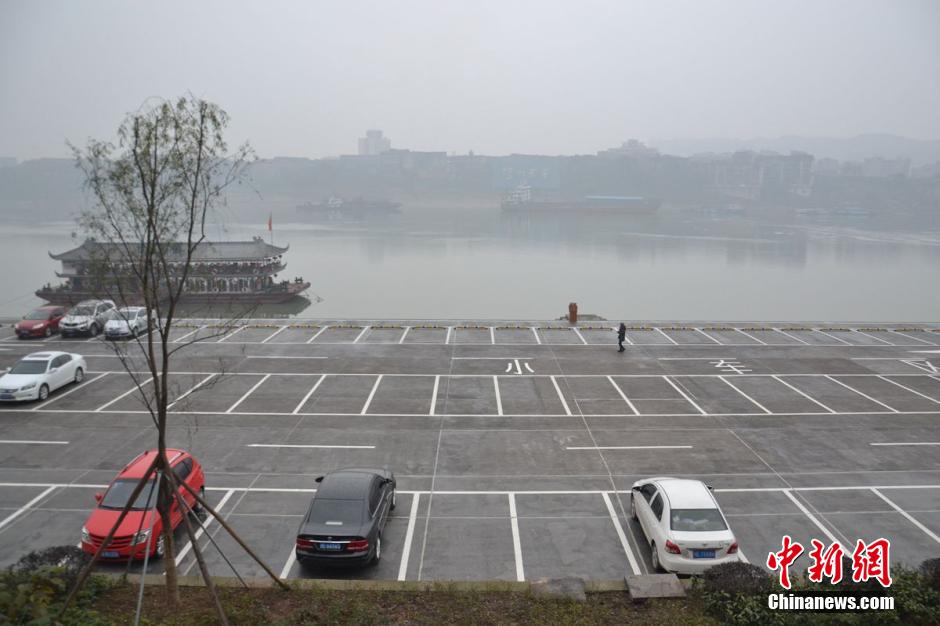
{"x": 343, "y": 524}
{"x": 87, "y": 318}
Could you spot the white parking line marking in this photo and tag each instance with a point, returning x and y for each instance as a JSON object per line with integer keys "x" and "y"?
{"x": 516, "y": 544}
{"x": 192, "y": 332}
{"x": 684, "y": 395}
{"x": 125, "y": 394}
{"x": 437, "y": 382}
{"x": 782, "y": 332}
{"x": 864, "y": 395}
{"x": 822, "y": 332}
{"x": 499, "y": 400}
{"x": 623, "y": 537}
{"x": 317, "y": 334}
{"x": 290, "y": 563}
{"x": 561, "y": 396}
{"x": 752, "y": 400}
{"x": 709, "y": 336}
{"x": 309, "y": 393}
{"x": 628, "y": 448}
{"x": 409, "y": 535}
{"x": 450, "y": 330}
{"x": 493, "y": 335}
{"x": 914, "y": 391}
{"x": 25, "y": 507}
{"x": 623, "y": 395}
{"x": 907, "y": 515}
{"x": 237, "y": 330}
{"x": 807, "y": 396}
{"x": 535, "y": 332}
{"x": 274, "y": 334}
{"x": 191, "y": 390}
{"x": 359, "y": 336}
{"x": 304, "y": 445}
{"x": 789, "y": 493}
{"x": 907, "y": 443}
{"x": 365, "y": 407}
{"x": 34, "y": 442}
{"x": 673, "y": 341}
{"x": 276, "y": 357}
{"x": 873, "y": 337}
{"x": 70, "y": 391}
{"x": 897, "y": 332}
{"x": 763, "y": 343}
{"x": 248, "y": 393}
{"x": 580, "y": 336}
{"x": 201, "y": 529}
{"x": 404, "y": 334}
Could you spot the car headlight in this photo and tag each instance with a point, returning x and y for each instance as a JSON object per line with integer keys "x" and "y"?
{"x": 27, "y": 387}
{"x": 86, "y": 536}
{"x": 141, "y": 537}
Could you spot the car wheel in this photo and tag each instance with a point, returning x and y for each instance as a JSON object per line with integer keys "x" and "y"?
{"x": 161, "y": 549}
{"x": 657, "y": 567}
{"x": 633, "y": 508}
{"x": 48, "y": 332}
{"x": 134, "y": 332}
{"x": 79, "y": 375}
{"x": 392, "y": 507}
{"x": 94, "y": 330}
{"x": 43, "y": 393}
{"x": 378, "y": 550}
{"x": 197, "y": 508}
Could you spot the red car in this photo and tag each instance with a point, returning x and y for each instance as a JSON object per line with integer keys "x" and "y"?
{"x": 41, "y": 322}
{"x": 142, "y": 528}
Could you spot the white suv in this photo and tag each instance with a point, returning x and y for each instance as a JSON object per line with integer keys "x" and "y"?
{"x": 686, "y": 529}
{"x": 86, "y": 318}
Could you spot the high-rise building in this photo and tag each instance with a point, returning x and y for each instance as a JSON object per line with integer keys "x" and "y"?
{"x": 374, "y": 143}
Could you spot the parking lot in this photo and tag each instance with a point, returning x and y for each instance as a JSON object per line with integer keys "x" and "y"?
{"x": 515, "y": 443}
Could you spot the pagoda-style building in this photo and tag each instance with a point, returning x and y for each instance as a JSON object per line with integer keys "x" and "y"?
{"x": 226, "y": 272}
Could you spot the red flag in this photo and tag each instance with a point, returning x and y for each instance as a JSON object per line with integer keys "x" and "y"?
{"x": 270, "y": 223}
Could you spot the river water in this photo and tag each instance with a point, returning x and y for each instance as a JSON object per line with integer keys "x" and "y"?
{"x": 484, "y": 264}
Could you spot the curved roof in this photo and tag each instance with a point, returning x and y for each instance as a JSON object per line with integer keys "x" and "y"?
{"x": 206, "y": 251}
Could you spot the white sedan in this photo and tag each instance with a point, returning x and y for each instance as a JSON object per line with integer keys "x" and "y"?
{"x": 39, "y": 374}
{"x": 684, "y": 525}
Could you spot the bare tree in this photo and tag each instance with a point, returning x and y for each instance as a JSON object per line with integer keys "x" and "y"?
{"x": 153, "y": 193}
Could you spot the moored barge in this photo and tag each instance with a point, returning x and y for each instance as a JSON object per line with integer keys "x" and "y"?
{"x": 236, "y": 272}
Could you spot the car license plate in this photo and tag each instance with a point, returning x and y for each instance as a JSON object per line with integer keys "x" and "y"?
{"x": 331, "y": 546}
{"x": 6, "y": 396}
{"x": 703, "y": 554}
{"x": 110, "y": 554}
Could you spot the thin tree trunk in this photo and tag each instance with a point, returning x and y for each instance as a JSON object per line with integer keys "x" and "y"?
{"x": 165, "y": 504}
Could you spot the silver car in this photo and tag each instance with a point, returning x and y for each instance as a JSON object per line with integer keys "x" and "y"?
{"x": 127, "y": 322}
{"x": 86, "y": 318}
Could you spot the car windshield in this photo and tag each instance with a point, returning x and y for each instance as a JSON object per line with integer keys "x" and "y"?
{"x": 120, "y": 492}
{"x": 336, "y": 512}
{"x": 126, "y": 314}
{"x": 29, "y": 367}
{"x": 38, "y": 314}
{"x": 82, "y": 310}
{"x": 697, "y": 520}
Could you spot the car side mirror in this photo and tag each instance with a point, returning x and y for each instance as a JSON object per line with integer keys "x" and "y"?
{"x": 634, "y": 489}
{"x": 99, "y": 497}
{"x": 710, "y": 488}
{"x": 53, "y": 369}
{"x": 318, "y": 479}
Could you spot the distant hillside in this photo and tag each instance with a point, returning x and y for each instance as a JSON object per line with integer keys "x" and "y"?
{"x": 844, "y": 149}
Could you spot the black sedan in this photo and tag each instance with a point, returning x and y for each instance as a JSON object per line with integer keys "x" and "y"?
{"x": 346, "y": 517}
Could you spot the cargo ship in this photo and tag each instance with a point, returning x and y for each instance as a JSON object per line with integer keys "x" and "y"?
{"x": 233, "y": 272}
{"x": 520, "y": 200}
{"x": 342, "y": 209}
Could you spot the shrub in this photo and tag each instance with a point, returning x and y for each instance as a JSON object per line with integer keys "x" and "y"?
{"x": 931, "y": 572}
{"x": 737, "y": 577}
{"x": 33, "y": 589}
{"x": 736, "y": 593}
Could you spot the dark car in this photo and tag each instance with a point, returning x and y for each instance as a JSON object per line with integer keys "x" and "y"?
{"x": 346, "y": 517}
{"x": 41, "y": 322}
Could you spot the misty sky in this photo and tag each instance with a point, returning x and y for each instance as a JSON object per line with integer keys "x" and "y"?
{"x": 305, "y": 78}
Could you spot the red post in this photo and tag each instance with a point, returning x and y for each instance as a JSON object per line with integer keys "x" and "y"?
{"x": 573, "y": 313}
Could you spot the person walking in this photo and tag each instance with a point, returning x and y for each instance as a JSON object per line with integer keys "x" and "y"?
{"x": 621, "y": 335}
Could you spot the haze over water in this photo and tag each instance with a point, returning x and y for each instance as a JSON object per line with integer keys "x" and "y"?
{"x": 430, "y": 263}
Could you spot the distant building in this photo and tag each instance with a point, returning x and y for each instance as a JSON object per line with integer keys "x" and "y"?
{"x": 630, "y": 148}
{"x": 374, "y": 143}
{"x": 879, "y": 167}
